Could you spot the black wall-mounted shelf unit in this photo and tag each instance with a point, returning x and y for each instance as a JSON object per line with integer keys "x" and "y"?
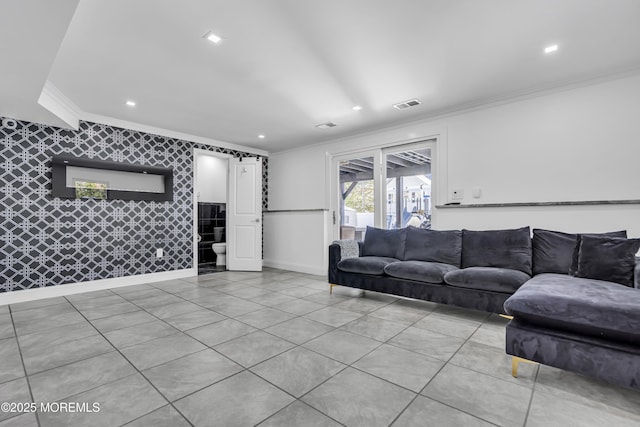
{"x": 60, "y": 163}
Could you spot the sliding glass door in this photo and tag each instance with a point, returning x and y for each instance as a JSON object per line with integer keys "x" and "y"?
{"x": 385, "y": 188}
{"x": 408, "y": 187}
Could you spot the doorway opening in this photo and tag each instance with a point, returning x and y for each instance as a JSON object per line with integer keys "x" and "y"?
{"x": 211, "y": 171}
{"x": 227, "y": 212}
{"x": 212, "y": 220}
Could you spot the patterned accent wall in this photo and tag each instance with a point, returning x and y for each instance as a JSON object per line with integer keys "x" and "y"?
{"x": 50, "y": 241}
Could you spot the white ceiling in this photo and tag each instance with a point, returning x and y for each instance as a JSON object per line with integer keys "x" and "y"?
{"x": 30, "y": 34}
{"x": 287, "y": 65}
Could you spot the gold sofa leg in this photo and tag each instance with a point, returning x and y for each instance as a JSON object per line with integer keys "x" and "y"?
{"x": 331, "y": 285}
{"x": 514, "y": 366}
{"x": 515, "y": 361}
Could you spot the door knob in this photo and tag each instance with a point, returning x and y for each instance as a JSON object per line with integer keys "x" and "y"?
{"x": 257, "y": 220}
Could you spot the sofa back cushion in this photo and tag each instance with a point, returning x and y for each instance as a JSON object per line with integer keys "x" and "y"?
{"x": 433, "y": 246}
{"x": 497, "y": 248}
{"x": 552, "y": 251}
{"x": 576, "y": 251}
{"x": 384, "y": 243}
{"x": 607, "y": 258}
{"x": 557, "y": 252}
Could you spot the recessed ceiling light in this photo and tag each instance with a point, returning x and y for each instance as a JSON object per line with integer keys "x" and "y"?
{"x": 213, "y": 38}
{"x": 131, "y": 103}
{"x": 551, "y": 48}
{"x": 261, "y": 136}
{"x": 356, "y": 108}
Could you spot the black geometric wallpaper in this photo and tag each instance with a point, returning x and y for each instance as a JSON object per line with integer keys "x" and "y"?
{"x": 50, "y": 241}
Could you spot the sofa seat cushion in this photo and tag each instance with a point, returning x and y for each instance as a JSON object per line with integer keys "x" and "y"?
{"x": 590, "y": 307}
{"x": 366, "y": 265}
{"x": 487, "y": 279}
{"x": 421, "y": 271}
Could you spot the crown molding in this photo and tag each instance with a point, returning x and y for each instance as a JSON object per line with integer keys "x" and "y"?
{"x": 111, "y": 121}
{"x": 52, "y": 99}
{"x": 59, "y": 104}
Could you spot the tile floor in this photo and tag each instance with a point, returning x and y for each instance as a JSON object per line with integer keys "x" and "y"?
{"x": 275, "y": 349}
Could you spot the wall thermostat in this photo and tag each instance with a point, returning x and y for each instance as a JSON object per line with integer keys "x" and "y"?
{"x": 9, "y": 124}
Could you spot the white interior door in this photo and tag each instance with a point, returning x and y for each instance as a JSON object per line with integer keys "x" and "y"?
{"x": 244, "y": 239}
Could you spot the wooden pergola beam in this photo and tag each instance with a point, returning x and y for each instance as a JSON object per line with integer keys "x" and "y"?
{"x": 349, "y": 190}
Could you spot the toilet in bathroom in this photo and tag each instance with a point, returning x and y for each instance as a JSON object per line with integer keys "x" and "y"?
{"x": 218, "y": 232}
{"x": 220, "y": 250}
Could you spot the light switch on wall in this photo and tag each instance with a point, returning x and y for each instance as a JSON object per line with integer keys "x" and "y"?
{"x": 159, "y": 253}
{"x": 477, "y": 192}
{"x": 457, "y": 194}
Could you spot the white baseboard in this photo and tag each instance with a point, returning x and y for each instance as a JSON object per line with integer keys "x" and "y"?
{"x": 93, "y": 285}
{"x": 300, "y": 268}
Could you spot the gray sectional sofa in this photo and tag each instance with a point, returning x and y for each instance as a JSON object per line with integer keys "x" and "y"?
{"x": 574, "y": 298}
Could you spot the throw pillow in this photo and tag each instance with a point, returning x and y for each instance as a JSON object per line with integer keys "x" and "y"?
{"x": 384, "y": 243}
{"x": 574, "y": 262}
{"x": 497, "y": 248}
{"x": 555, "y": 252}
{"x": 433, "y": 246}
{"x": 607, "y": 258}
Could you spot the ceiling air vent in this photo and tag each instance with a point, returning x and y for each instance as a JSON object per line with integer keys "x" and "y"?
{"x": 407, "y": 104}
{"x": 326, "y": 125}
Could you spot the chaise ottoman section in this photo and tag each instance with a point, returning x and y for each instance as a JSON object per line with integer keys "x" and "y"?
{"x": 595, "y": 308}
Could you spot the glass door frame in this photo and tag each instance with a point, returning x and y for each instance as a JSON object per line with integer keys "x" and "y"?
{"x": 335, "y": 193}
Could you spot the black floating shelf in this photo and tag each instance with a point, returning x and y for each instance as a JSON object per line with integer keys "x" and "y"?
{"x": 59, "y": 178}
{"x": 568, "y": 203}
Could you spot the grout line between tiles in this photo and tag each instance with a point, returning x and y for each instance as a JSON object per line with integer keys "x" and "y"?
{"x": 24, "y": 368}
{"x": 533, "y": 392}
{"x": 303, "y": 403}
